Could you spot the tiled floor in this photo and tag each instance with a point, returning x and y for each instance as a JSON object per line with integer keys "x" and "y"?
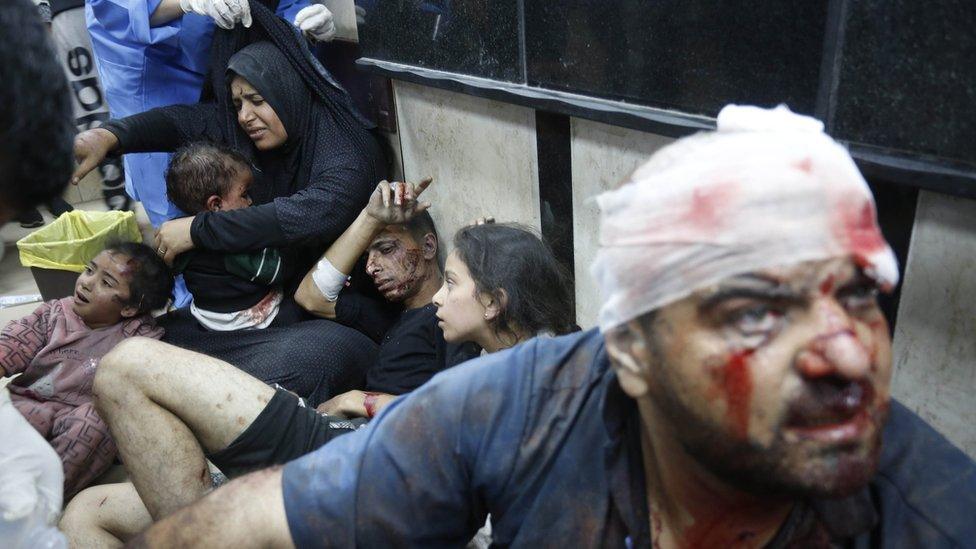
{"x": 16, "y": 279}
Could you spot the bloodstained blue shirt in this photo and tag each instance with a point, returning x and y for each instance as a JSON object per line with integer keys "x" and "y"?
{"x": 543, "y": 439}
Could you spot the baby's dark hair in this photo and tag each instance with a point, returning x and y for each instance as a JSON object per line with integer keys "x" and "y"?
{"x": 152, "y": 282}
{"x": 200, "y": 170}
{"x": 512, "y": 258}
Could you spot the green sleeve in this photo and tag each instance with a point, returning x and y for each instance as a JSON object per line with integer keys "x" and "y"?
{"x": 263, "y": 267}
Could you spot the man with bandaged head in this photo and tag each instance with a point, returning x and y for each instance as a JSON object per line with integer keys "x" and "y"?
{"x": 736, "y": 393}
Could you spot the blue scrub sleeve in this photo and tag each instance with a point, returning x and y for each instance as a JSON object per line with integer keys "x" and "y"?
{"x": 126, "y": 22}
{"x": 288, "y": 9}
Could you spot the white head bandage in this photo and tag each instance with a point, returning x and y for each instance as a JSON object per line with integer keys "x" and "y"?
{"x": 767, "y": 189}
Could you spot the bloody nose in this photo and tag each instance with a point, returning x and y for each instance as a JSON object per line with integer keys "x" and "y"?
{"x": 839, "y": 353}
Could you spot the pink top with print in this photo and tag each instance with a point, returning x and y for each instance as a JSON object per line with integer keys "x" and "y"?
{"x": 56, "y": 353}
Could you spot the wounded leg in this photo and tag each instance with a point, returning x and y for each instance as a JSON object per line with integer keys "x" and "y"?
{"x": 168, "y": 406}
{"x": 248, "y": 512}
{"x": 104, "y": 516}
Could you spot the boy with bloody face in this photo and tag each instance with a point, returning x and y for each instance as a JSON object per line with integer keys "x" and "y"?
{"x": 735, "y": 394}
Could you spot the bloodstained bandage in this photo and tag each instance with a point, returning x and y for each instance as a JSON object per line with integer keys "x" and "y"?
{"x": 767, "y": 189}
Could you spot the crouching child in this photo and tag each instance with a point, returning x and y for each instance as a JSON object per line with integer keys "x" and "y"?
{"x": 56, "y": 350}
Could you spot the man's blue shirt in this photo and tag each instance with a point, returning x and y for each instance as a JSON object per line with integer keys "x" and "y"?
{"x": 542, "y": 437}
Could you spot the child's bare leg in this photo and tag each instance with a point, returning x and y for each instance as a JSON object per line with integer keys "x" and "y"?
{"x": 104, "y": 516}
{"x": 168, "y": 406}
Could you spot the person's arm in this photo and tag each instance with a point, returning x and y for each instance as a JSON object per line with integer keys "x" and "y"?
{"x": 22, "y": 339}
{"x": 248, "y": 512}
{"x": 166, "y": 11}
{"x": 355, "y": 404}
{"x": 263, "y": 267}
{"x": 163, "y": 129}
{"x": 342, "y": 255}
{"x": 388, "y": 205}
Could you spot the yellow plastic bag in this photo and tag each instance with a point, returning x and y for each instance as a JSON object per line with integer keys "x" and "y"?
{"x": 73, "y": 239}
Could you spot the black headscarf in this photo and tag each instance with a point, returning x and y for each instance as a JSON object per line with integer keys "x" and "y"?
{"x": 274, "y": 57}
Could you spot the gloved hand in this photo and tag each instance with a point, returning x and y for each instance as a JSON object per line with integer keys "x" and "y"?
{"x": 31, "y": 474}
{"x": 317, "y": 22}
{"x": 226, "y": 13}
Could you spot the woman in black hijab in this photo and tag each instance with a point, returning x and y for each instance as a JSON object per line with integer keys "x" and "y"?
{"x": 308, "y": 189}
{"x": 309, "y": 186}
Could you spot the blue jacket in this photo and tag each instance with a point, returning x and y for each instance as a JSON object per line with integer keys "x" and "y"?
{"x": 542, "y": 437}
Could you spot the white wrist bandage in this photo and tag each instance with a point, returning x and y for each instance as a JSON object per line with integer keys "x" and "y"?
{"x": 328, "y": 279}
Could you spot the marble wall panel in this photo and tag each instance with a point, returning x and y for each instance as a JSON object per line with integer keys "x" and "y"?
{"x": 603, "y": 156}
{"x": 481, "y": 154}
{"x": 935, "y": 339}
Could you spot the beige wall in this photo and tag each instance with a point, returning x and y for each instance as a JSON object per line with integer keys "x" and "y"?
{"x": 481, "y": 154}
{"x": 603, "y": 156}
{"x": 935, "y": 339}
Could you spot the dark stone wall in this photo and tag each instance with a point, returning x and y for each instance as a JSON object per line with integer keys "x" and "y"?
{"x": 894, "y": 78}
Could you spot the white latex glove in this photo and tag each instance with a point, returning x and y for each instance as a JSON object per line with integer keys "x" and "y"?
{"x": 31, "y": 474}
{"x": 316, "y": 21}
{"x": 226, "y": 13}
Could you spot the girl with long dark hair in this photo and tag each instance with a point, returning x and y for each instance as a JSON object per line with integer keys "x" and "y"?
{"x": 502, "y": 285}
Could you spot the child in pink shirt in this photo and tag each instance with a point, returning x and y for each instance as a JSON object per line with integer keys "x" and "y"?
{"x": 56, "y": 350}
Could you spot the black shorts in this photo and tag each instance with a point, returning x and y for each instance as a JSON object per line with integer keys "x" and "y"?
{"x": 285, "y": 430}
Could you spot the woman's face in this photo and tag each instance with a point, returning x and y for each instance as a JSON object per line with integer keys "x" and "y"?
{"x": 460, "y": 312}
{"x": 256, "y": 116}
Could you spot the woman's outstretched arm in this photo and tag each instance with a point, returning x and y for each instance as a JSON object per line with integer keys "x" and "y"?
{"x": 165, "y": 129}
{"x": 161, "y": 129}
